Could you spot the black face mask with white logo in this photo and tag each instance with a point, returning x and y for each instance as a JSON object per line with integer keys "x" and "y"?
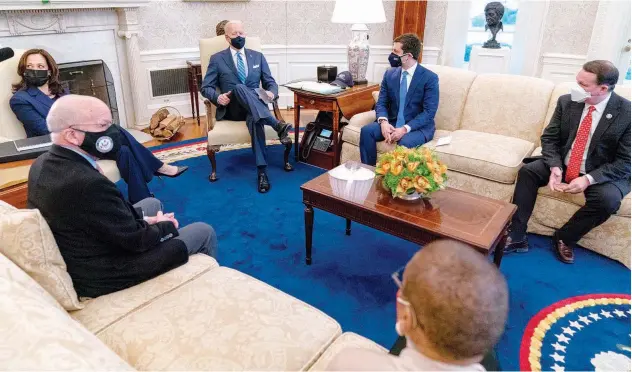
{"x": 36, "y": 78}
{"x": 103, "y": 145}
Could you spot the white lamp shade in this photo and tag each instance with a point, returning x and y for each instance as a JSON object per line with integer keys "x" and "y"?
{"x": 358, "y": 11}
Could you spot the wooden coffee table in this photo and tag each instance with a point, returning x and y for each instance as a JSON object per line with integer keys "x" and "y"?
{"x": 476, "y": 220}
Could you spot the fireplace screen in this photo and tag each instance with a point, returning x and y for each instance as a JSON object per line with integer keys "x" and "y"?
{"x": 90, "y": 78}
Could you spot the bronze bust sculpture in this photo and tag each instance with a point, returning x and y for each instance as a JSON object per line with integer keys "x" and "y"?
{"x": 494, "y": 12}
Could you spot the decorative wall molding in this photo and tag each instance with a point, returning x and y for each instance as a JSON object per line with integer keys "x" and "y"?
{"x": 287, "y": 62}
{"x": 25, "y": 22}
{"x": 560, "y": 68}
{"x": 69, "y": 4}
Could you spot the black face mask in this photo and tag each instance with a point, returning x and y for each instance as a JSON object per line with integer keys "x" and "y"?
{"x": 103, "y": 145}
{"x": 238, "y": 42}
{"x": 35, "y": 78}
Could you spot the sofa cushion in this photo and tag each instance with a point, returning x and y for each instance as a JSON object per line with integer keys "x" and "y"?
{"x": 580, "y": 200}
{"x": 491, "y": 156}
{"x": 223, "y": 320}
{"x": 510, "y": 105}
{"x": 101, "y": 312}
{"x": 235, "y": 132}
{"x": 454, "y": 85}
{"x": 345, "y": 341}
{"x": 29, "y": 243}
{"x": 38, "y": 334}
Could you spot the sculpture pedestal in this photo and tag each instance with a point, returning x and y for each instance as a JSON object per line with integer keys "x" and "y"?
{"x": 490, "y": 61}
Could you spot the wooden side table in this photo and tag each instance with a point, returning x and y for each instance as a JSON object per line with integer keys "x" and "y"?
{"x": 15, "y": 193}
{"x": 350, "y": 102}
{"x": 194, "y": 74}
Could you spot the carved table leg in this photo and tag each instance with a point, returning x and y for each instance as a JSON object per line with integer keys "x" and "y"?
{"x": 348, "y": 230}
{"x": 309, "y": 227}
{"x": 500, "y": 247}
{"x": 287, "y": 142}
{"x": 211, "y": 150}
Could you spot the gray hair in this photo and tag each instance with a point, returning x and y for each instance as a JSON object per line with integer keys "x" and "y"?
{"x": 230, "y": 23}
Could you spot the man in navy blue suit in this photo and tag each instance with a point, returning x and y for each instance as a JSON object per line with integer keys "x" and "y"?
{"x": 409, "y": 97}
{"x": 237, "y": 72}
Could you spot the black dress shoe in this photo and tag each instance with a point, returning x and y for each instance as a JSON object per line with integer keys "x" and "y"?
{"x": 282, "y": 128}
{"x": 518, "y": 247}
{"x": 263, "y": 182}
{"x": 178, "y": 173}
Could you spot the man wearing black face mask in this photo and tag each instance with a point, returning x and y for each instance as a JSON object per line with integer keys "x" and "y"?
{"x": 107, "y": 243}
{"x": 409, "y": 97}
{"x": 237, "y": 72}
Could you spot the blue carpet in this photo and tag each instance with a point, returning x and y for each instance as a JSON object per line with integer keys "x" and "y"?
{"x": 263, "y": 235}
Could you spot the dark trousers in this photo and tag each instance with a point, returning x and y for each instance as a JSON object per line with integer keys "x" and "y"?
{"x": 137, "y": 166}
{"x": 246, "y": 105}
{"x": 602, "y": 200}
{"x": 371, "y": 134}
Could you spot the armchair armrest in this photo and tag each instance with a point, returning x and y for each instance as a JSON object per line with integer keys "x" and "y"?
{"x": 362, "y": 119}
{"x": 210, "y": 115}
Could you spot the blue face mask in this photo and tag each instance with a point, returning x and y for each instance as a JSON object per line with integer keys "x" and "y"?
{"x": 238, "y": 42}
{"x": 395, "y": 60}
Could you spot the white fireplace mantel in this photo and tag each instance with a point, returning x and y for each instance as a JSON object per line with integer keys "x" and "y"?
{"x": 69, "y": 4}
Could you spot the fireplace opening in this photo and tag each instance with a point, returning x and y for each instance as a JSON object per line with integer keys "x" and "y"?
{"x": 90, "y": 78}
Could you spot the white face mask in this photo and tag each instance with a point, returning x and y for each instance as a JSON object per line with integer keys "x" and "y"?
{"x": 578, "y": 94}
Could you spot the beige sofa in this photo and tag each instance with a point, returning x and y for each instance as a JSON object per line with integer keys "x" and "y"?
{"x": 495, "y": 121}
{"x": 199, "y": 316}
{"x": 11, "y": 128}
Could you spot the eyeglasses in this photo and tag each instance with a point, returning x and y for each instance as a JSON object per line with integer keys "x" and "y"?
{"x": 101, "y": 125}
{"x": 398, "y": 278}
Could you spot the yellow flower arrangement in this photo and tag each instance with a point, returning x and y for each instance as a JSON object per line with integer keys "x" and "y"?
{"x": 405, "y": 171}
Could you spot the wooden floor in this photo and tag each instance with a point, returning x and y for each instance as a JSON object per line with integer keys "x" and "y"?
{"x": 191, "y": 130}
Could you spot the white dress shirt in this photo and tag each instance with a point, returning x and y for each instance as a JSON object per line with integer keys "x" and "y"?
{"x": 596, "y": 117}
{"x": 353, "y": 359}
{"x": 243, "y": 56}
{"x": 409, "y": 78}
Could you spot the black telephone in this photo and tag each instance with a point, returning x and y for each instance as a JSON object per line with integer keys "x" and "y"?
{"x": 318, "y": 135}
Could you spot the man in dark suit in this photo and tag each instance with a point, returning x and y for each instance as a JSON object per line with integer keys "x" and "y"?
{"x": 409, "y": 97}
{"x": 237, "y": 72}
{"x": 585, "y": 148}
{"x": 107, "y": 243}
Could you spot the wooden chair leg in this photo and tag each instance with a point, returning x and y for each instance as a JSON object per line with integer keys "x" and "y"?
{"x": 287, "y": 142}
{"x": 210, "y": 152}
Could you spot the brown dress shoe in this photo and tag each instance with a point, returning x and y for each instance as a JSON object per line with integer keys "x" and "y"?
{"x": 564, "y": 252}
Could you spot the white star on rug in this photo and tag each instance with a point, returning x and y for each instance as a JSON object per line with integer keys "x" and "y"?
{"x": 594, "y": 316}
{"x": 575, "y": 324}
{"x": 557, "y": 357}
{"x": 559, "y": 347}
{"x": 557, "y": 368}
{"x": 629, "y": 311}
{"x": 619, "y": 313}
{"x": 562, "y": 338}
{"x": 585, "y": 320}
{"x": 606, "y": 314}
{"x": 569, "y": 331}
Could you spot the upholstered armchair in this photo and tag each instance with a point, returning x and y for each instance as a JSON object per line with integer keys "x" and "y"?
{"x": 227, "y": 132}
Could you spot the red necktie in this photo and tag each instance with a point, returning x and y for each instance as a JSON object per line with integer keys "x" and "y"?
{"x": 577, "y": 152}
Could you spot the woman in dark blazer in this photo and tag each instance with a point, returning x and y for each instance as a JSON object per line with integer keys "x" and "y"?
{"x": 40, "y": 88}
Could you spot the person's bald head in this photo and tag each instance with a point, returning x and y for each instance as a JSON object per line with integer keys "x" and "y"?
{"x": 85, "y": 113}
{"x": 459, "y": 298}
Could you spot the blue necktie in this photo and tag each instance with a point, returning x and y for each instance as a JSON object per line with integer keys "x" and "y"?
{"x": 241, "y": 68}
{"x": 403, "y": 89}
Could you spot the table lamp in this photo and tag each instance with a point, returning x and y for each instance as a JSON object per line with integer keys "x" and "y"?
{"x": 358, "y": 13}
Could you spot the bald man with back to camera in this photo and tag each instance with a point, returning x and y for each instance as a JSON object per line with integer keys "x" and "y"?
{"x": 452, "y": 306}
{"x": 107, "y": 243}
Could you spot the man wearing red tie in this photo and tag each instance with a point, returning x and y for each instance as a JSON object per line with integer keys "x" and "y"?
{"x": 585, "y": 148}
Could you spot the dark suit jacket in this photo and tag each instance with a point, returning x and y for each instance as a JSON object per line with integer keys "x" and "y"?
{"x": 422, "y": 99}
{"x": 608, "y": 158}
{"x": 222, "y": 74}
{"x": 31, "y": 106}
{"x": 107, "y": 246}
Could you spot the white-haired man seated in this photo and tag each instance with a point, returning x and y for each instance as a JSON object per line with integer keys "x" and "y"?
{"x": 107, "y": 243}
